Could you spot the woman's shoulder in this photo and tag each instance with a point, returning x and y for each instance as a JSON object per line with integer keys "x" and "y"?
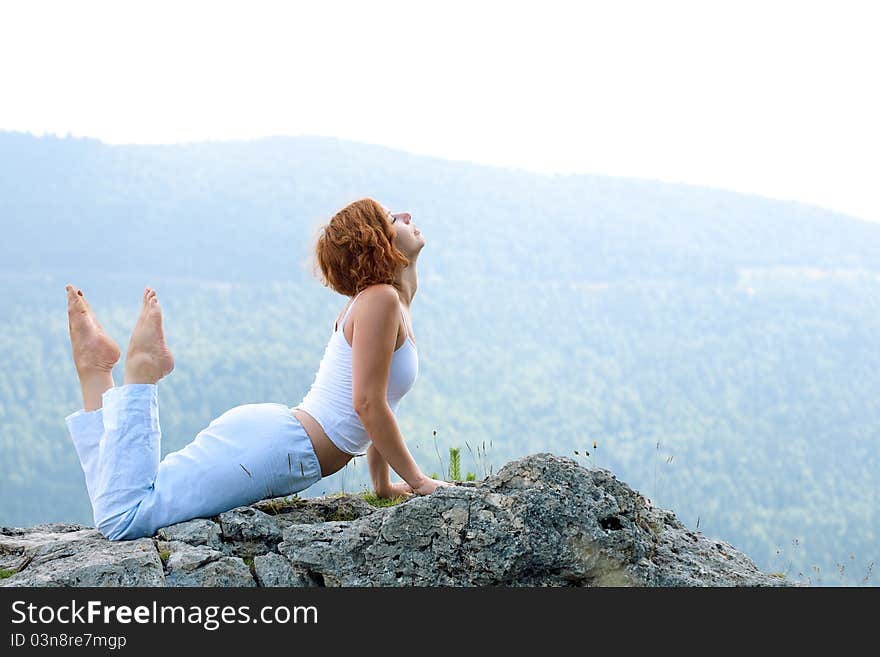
{"x": 378, "y": 303}
{"x": 375, "y": 287}
{"x": 377, "y": 300}
{"x": 385, "y": 293}
{"x": 380, "y": 299}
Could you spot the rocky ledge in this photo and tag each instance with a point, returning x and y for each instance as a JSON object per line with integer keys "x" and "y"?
{"x": 542, "y": 520}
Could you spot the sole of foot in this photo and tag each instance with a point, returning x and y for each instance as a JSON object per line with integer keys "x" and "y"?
{"x": 148, "y": 358}
{"x": 93, "y": 349}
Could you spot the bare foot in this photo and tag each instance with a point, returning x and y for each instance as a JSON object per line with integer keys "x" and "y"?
{"x": 93, "y": 349}
{"x": 148, "y": 358}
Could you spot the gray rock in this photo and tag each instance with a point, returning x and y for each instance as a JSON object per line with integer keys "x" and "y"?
{"x": 226, "y": 571}
{"x": 74, "y": 555}
{"x": 542, "y": 520}
{"x": 247, "y": 532}
{"x": 189, "y": 565}
{"x": 274, "y": 570}
{"x": 199, "y": 531}
{"x": 333, "y": 553}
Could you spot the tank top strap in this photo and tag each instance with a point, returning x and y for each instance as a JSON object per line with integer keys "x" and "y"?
{"x": 350, "y": 306}
{"x": 406, "y": 326}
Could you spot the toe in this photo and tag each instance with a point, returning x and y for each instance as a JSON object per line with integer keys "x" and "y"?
{"x": 75, "y": 301}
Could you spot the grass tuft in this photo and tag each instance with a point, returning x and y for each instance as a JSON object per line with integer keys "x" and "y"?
{"x": 455, "y": 464}
{"x": 277, "y": 505}
{"x": 343, "y": 513}
{"x": 375, "y": 500}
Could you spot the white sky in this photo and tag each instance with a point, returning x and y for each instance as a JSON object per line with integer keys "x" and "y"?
{"x": 774, "y": 98}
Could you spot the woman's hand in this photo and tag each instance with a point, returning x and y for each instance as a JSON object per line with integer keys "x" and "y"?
{"x": 397, "y": 489}
{"x": 427, "y": 486}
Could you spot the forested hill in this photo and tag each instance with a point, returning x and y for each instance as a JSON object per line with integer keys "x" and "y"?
{"x": 237, "y": 211}
{"x": 719, "y": 348}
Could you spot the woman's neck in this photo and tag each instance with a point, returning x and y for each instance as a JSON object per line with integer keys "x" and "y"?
{"x": 408, "y": 282}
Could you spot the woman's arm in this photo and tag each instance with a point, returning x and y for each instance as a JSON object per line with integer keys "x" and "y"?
{"x": 380, "y": 474}
{"x": 381, "y": 425}
{"x": 373, "y": 339}
{"x": 388, "y": 446}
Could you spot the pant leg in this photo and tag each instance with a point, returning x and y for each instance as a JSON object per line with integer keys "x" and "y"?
{"x": 86, "y": 428}
{"x": 248, "y": 453}
{"x": 128, "y": 455}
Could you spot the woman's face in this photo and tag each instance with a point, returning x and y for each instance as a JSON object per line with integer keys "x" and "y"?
{"x": 408, "y": 238}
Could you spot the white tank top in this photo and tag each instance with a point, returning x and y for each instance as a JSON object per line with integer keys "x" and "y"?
{"x": 329, "y": 400}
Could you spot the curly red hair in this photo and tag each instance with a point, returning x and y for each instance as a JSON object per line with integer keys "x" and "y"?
{"x": 356, "y": 249}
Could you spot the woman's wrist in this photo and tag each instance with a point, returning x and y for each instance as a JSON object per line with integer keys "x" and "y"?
{"x": 400, "y": 488}
{"x": 418, "y": 481}
{"x": 382, "y": 489}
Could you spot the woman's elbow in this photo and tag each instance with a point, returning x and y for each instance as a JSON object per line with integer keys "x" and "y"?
{"x": 367, "y": 406}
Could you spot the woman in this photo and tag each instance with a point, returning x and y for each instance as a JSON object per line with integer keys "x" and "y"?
{"x": 254, "y": 451}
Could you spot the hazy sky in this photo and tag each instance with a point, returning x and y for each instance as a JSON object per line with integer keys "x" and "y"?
{"x": 774, "y": 98}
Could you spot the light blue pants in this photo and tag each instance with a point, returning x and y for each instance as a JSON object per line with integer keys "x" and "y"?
{"x": 248, "y": 453}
